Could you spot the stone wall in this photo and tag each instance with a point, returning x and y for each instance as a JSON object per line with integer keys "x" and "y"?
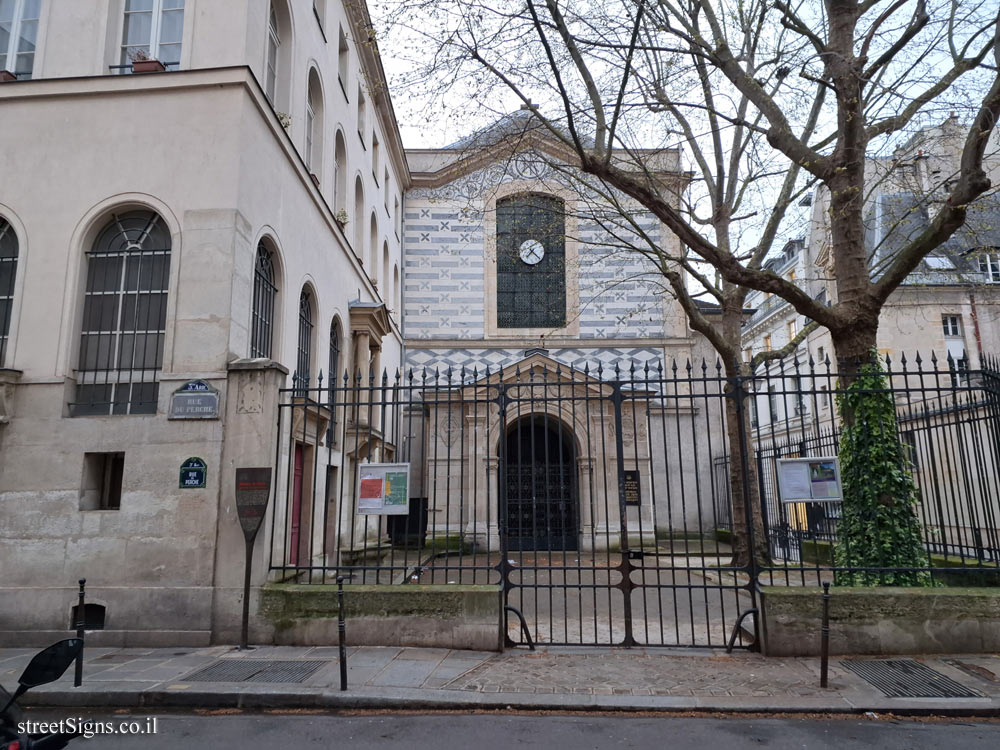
{"x": 463, "y": 617}
{"x": 883, "y": 620}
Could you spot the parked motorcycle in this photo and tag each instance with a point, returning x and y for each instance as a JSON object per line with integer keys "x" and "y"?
{"x": 47, "y": 666}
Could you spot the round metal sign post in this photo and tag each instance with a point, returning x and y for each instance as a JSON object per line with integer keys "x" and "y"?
{"x": 253, "y": 488}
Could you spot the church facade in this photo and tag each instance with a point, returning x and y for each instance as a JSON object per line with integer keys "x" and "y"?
{"x": 205, "y": 233}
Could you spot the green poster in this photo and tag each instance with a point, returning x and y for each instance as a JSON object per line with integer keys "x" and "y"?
{"x": 396, "y": 491}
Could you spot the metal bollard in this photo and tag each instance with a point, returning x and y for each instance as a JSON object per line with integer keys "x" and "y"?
{"x": 825, "y": 636}
{"x": 80, "y": 608}
{"x": 342, "y": 632}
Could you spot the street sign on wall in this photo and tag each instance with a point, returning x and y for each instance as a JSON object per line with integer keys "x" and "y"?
{"x": 196, "y": 399}
{"x": 384, "y": 489}
{"x": 193, "y": 473}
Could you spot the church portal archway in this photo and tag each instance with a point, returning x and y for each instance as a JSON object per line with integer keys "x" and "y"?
{"x": 541, "y": 488}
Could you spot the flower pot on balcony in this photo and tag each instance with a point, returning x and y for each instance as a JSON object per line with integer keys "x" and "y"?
{"x": 6, "y": 75}
{"x": 147, "y": 66}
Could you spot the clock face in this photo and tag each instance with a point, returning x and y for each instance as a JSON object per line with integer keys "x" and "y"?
{"x": 531, "y": 252}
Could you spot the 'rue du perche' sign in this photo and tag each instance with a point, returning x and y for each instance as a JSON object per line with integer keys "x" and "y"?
{"x": 196, "y": 399}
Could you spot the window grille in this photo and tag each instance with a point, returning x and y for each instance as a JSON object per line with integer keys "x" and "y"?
{"x": 262, "y": 314}
{"x": 18, "y": 36}
{"x": 303, "y": 359}
{"x": 531, "y": 295}
{"x": 154, "y": 28}
{"x": 8, "y": 274}
{"x": 124, "y": 317}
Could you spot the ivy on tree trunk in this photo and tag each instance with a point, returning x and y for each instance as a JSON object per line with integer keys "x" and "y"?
{"x": 879, "y": 527}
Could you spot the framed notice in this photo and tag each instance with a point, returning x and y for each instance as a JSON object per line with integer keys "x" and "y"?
{"x": 384, "y": 489}
{"x": 631, "y": 487}
{"x": 816, "y": 479}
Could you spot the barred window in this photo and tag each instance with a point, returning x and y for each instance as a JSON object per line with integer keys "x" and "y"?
{"x": 8, "y": 273}
{"x": 531, "y": 262}
{"x": 262, "y": 314}
{"x": 303, "y": 359}
{"x": 124, "y": 317}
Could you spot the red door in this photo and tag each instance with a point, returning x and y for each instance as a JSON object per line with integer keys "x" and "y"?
{"x": 293, "y": 542}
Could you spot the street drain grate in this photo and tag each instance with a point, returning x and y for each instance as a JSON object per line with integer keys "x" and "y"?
{"x": 905, "y": 678}
{"x": 254, "y": 670}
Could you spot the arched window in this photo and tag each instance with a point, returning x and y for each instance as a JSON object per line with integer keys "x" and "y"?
{"x": 314, "y": 124}
{"x": 153, "y": 30}
{"x": 303, "y": 359}
{"x": 277, "y": 55}
{"x": 124, "y": 317}
{"x": 265, "y": 290}
{"x": 8, "y": 273}
{"x": 273, "y": 47}
{"x": 531, "y": 262}
{"x": 385, "y": 272}
{"x": 396, "y": 301}
{"x": 340, "y": 174}
{"x": 335, "y": 379}
{"x": 373, "y": 249}
{"x": 18, "y": 35}
{"x": 359, "y": 222}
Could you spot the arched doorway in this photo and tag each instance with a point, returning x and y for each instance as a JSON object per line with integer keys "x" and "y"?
{"x": 541, "y": 488}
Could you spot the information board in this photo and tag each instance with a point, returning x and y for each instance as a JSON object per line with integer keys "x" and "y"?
{"x": 384, "y": 489}
{"x": 253, "y": 488}
{"x": 815, "y": 479}
{"x": 632, "y": 487}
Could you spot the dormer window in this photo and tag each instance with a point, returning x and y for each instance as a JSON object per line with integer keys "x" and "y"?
{"x": 18, "y": 34}
{"x": 989, "y": 266}
{"x": 152, "y": 30}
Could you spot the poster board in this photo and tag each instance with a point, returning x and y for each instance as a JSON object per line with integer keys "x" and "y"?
{"x": 253, "y": 488}
{"x": 383, "y": 489}
{"x": 815, "y": 479}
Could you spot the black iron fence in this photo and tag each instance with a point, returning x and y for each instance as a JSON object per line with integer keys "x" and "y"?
{"x": 601, "y": 501}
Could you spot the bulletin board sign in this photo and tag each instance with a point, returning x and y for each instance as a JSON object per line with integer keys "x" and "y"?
{"x": 815, "y": 479}
{"x": 384, "y": 489}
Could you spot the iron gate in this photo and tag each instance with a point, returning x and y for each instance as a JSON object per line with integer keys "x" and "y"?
{"x": 605, "y": 503}
{"x": 579, "y": 492}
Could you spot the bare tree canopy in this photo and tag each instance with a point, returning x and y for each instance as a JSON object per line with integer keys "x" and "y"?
{"x": 768, "y": 99}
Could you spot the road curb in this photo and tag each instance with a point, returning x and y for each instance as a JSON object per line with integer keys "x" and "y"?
{"x": 402, "y": 699}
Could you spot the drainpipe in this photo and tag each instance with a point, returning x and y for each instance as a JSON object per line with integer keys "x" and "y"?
{"x": 975, "y": 328}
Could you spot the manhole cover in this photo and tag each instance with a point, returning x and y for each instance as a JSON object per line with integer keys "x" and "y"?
{"x": 905, "y": 678}
{"x": 255, "y": 670}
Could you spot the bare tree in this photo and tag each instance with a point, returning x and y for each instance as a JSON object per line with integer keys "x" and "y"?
{"x": 768, "y": 99}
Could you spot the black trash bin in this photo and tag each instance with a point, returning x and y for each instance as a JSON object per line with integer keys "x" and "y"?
{"x": 410, "y": 530}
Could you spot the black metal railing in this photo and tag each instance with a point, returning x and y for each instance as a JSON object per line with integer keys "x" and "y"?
{"x": 602, "y": 501}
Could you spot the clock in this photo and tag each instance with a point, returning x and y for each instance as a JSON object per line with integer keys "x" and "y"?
{"x": 531, "y": 252}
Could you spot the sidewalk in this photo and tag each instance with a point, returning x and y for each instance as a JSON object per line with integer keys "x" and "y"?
{"x": 550, "y": 678}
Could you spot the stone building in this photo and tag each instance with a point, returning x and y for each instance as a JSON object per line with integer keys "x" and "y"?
{"x": 209, "y": 227}
{"x": 517, "y": 273}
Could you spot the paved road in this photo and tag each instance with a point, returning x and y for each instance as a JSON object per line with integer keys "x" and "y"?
{"x": 525, "y": 732}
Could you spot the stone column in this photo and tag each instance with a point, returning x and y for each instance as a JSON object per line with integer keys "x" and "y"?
{"x": 251, "y": 414}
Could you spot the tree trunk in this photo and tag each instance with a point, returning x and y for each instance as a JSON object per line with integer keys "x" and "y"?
{"x": 879, "y": 534}
{"x": 744, "y": 488}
